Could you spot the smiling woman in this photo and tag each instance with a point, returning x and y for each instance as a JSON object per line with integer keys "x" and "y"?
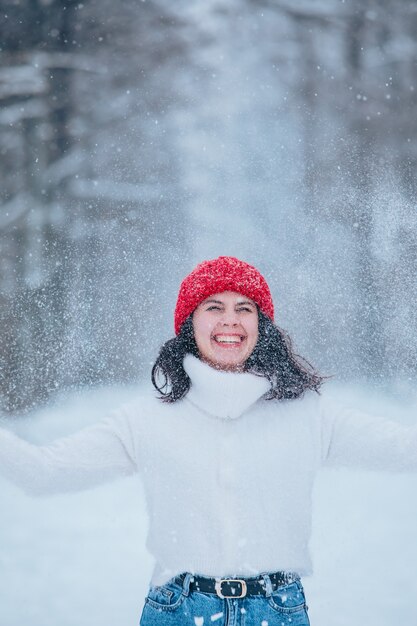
{"x": 226, "y": 330}
{"x": 228, "y": 453}
{"x": 224, "y": 316}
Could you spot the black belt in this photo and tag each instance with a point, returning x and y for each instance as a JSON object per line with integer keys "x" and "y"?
{"x": 239, "y": 587}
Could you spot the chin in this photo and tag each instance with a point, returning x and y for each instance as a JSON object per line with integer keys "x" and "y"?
{"x": 228, "y": 365}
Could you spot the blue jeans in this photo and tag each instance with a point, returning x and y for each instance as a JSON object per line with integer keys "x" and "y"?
{"x": 173, "y": 604}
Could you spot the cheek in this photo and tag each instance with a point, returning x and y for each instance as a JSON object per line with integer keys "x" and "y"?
{"x": 253, "y": 332}
{"x": 254, "y": 338}
{"x": 202, "y": 331}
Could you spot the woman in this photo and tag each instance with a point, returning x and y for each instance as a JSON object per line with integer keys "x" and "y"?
{"x": 228, "y": 452}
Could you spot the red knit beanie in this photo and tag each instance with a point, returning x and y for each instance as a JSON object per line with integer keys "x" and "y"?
{"x": 223, "y": 274}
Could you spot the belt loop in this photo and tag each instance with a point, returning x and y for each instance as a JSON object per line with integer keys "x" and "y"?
{"x": 268, "y": 584}
{"x": 186, "y": 583}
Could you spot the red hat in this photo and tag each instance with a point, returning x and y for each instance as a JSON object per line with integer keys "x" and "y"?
{"x": 223, "y": 274}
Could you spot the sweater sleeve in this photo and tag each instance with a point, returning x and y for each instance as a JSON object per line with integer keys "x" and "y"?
{"x": 351, "y": 438}
{"x": 92, "y": 456}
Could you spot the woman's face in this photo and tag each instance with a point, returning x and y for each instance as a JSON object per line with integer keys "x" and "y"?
{"x": 226, "y": 329}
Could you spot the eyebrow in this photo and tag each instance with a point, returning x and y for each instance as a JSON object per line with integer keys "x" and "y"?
{"x": 220, "y": 302}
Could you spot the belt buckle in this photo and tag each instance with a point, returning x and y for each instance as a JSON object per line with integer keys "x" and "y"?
{"x": 218, "y": 587}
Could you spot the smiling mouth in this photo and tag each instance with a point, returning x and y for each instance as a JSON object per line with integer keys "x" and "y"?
{"x": 231, "y": 340}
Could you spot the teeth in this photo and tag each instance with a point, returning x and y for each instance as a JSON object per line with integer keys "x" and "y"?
{"x": 227, "y": 339}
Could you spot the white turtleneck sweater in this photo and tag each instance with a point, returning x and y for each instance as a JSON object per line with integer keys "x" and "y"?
{"x": 228, "y": 475}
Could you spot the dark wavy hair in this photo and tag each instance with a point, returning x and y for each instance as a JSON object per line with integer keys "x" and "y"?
{"x": 273, "y": 357}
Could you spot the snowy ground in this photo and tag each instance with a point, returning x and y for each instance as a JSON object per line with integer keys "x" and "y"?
{"x": 80, "y": 560}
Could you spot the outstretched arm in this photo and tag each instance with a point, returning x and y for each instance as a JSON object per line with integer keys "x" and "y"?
{"x": 356, "y": 439}
{"x": 89, "y": 457}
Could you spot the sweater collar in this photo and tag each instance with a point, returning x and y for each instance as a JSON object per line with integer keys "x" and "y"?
{"x": 219, "y": 393}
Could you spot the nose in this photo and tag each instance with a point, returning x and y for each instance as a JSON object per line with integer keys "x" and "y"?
{"x": 230, "y": 318}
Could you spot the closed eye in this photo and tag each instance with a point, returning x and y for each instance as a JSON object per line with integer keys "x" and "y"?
{"x": 215, "y": 307}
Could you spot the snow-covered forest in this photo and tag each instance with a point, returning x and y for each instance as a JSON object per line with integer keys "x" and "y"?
{"x": 138, "y": 138}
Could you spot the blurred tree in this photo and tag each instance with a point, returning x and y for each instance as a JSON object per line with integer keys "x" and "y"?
{"x": 352, "y": 83}
{"x": 81, "y": 224}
